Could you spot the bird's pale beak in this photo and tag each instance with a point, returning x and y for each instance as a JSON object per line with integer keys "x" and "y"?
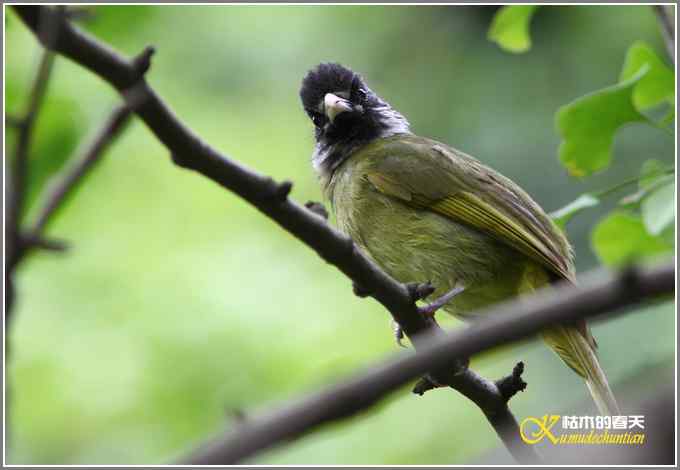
{"x": 334, "y": 105}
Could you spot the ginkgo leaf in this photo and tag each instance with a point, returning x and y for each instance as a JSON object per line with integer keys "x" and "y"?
{"x": 658, "y": 209}
{"x": 657, "y": 84}
{"x": 510, "y": 27}
{"x": 651, "y": 171}
{"x": 653, "y": 175}
{"x": 588, "y": 124}
{"x": 621, "y": 238}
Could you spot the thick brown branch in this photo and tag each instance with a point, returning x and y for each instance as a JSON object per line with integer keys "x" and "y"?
{"x": 85, "y": 159}
{"x": 501, "y": 324}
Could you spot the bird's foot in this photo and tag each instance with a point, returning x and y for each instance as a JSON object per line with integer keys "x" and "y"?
{"x": 431, "y": 308}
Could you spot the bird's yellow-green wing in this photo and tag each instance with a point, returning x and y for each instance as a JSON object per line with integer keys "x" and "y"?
{"x": 431, "y": 176}
{"x": 475, "y": 211}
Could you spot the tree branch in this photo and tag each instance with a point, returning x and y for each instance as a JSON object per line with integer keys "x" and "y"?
{"x": 19, "y": 173}
{"x": 501, "y": 324}
{"x": 13, "y": 121}
{"x": 665, "y": 16}
{"x": 29, "y": 240}
{"x": 11, "y": 240}
{"x": 15, "y": 190}
{"x": 85, "y": 159}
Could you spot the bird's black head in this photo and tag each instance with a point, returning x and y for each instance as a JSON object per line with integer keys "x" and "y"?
{"x": 346, "y": 114}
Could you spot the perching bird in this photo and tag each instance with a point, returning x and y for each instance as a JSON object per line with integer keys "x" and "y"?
{"x": 425, "y": 211}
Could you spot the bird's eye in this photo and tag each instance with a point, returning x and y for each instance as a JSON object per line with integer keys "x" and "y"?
{"x": 317, "y": 118}
{"x": 357, "y": 92}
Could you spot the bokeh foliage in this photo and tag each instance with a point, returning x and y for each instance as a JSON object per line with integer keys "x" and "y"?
{"x": 588, "y": 126}
{"x": 179, "y": 304}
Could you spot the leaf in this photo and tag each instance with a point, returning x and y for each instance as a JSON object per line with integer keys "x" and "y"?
{"x": 657, "y": 85}
{"x": 563, "y": 215}
{"x": 658, "y": 209}
{"x": 510, "y": 28}
{"x": 621, "y": 238}
{"x": 653, "y": 175}
{"x": 588, "y": 124}
{"x": 651, "y": 171}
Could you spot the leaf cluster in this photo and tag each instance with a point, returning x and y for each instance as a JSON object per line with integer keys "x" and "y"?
{"x": 642, "y": 224}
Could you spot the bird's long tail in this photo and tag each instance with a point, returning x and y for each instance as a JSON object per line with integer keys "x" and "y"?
{"x": 577, "y": 349}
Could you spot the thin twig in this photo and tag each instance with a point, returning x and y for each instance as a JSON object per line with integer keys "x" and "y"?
{"x": 19, "y": 173}
{"x": 665, "y": 17}
{"x": 499, "y": 325}
{"x": 29, "y": 240}
{"x": 84, "y": 160}
{"x": 13, "y": 121}
{"x": 11, "y": 240}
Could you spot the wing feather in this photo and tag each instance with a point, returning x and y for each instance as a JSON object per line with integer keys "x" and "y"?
{"x": 430, "y": 176}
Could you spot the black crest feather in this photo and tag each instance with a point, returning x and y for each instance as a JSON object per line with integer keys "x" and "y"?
{"x": 326, "y": 78}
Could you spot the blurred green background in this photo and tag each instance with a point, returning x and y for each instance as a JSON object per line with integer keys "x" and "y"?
{"x": 179, "y": 303}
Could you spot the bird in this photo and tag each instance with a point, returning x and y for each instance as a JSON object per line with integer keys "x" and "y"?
{"x": 424, "y": 211}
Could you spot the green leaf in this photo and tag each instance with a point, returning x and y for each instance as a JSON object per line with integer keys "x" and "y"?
{"x": 588, "y": 124}
{"x": 653, "y": 175}
{"x": 657, "y": 86}
{"x": 510, "y": 28}
{"x": 658, "y": 209}
{"x": 651, "y": 171}
{"x": 563, "y": 215}
{"x": 621, "y": 238}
